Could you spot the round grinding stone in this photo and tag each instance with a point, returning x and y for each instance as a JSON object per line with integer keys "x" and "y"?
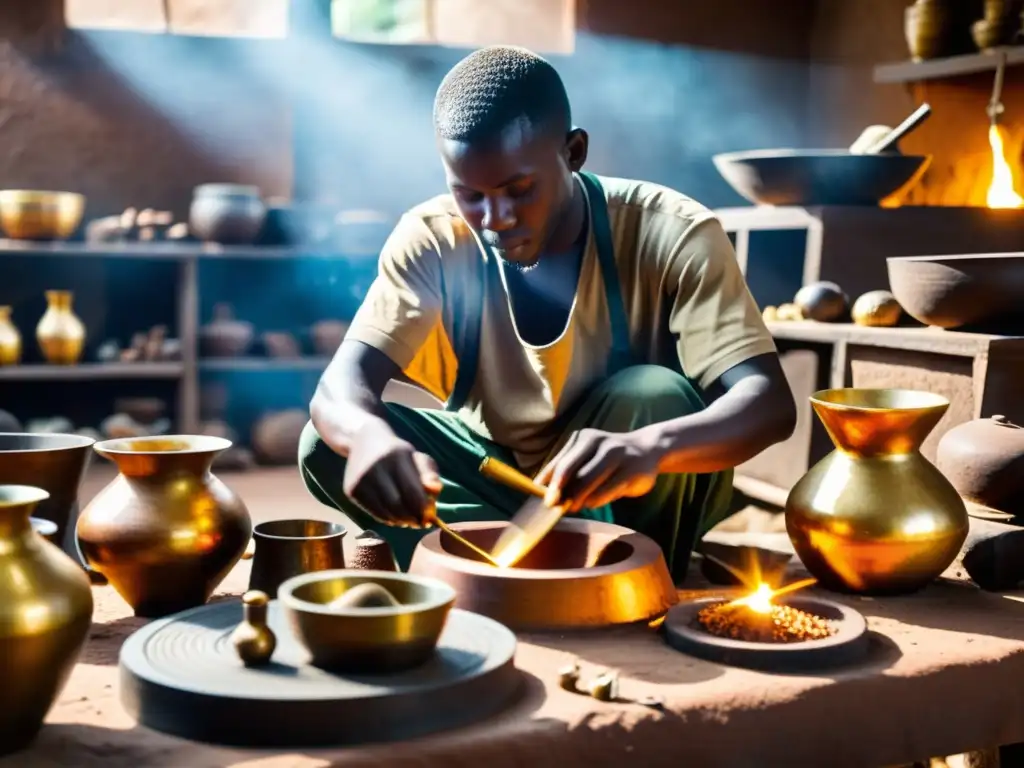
{"x": 849, "y": 644}
{"x": 181, "y": 675}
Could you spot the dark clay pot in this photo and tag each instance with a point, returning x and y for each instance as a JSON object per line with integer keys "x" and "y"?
{"x": 984, "y": 459}
{"x": 822, "y": 301}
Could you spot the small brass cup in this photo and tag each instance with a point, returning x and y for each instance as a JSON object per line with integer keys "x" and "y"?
{"x": 286, "y": 548}
{"x": 367, "y": 640}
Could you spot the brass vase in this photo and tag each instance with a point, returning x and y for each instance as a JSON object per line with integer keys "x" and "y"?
{"x": 45, "y": 615}
{"x": 10, "y": 339}
{"x": 61, "y": 335}
{"x": 165, "y": 532}
{"x": 875, "y": 516}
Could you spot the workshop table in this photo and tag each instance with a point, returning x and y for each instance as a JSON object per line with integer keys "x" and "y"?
{"x": 944, "y": 676}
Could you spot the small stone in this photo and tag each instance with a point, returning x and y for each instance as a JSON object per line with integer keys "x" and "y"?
{"x": 364, "y": 596}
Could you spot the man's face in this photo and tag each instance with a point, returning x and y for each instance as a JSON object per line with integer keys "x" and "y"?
{"x": 512, "y": 191}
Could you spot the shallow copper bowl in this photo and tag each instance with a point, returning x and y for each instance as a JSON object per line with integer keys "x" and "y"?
{"x": 366, "y": 640}
{"x": 38, "y": 215}
{"x": 584, "y": 573}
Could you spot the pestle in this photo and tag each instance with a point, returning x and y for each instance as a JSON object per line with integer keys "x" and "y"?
{"x": 889, "y": 142}
{"x": 364, "y": 596}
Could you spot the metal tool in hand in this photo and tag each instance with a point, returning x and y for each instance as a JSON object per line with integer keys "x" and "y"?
{"x": 432, "y": 518}
{"x": 530, "y": 524}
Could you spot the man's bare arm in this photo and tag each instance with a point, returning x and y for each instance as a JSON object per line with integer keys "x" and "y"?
{"x": 349, "y": 394}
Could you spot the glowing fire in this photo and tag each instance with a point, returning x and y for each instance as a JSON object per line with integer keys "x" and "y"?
{"x": 1001, "y": 193}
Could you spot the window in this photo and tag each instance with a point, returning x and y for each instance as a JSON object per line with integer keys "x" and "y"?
{"x": 223, "y": 18}
{"x": 543, "y": 25}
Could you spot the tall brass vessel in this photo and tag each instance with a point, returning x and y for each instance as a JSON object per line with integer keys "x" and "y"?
{"x": 10, "y": 339}
{"x": 166, "y": 531}
{"x": 875, "y": 516}
{"x": 61, "y": 335}
{"x": 45, "y": 614}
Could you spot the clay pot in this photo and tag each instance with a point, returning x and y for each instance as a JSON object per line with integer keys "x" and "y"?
{"x": 822, "y": 301}
{"x": 281, "y": 345}
{"x": 995, "y": 33}
{"x": 984, "y": 459}
{"x": 875, "y": 516}
{"x": 229, "y": 214}
{"x": 275, "y": 436}
{"x": 224, "y": 336}
{"x": 327, "y": 336}
{"x": 954, "y": 291}
{"x": 878, "y": 309}
{"x": 372, "y": 553}
{"x": 166, "y": 531}
{"x": 930, "y": 27}
{"x": 45, "y": 614}
{"x": 10, "y": 339}
{"x": 61, "y": 335}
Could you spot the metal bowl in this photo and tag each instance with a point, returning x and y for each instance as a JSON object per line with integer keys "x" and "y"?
{"x": 38, "y": 215}
{"x": 818, "y": 176}
{"x": 366, "y": 640}
{"x": 954, "y": 291}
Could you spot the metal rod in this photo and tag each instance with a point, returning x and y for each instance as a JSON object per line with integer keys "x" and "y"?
{"x": 511, "y": 477}
{"x": 432, "y": 517}
{"x": 995, "y": 103}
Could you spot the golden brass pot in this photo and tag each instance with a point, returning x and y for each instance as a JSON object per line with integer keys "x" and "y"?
{"x": 45, "y": 615}
{"x": 875, "y": 516}
{"x": 10, "y": 339}
{"x": 27, "y": 214}
{"x": 61, "y": 335}
{"x": 166, "y": 531}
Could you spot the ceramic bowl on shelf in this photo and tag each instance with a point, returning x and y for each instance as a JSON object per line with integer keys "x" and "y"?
{"x": 27, "y": 214}
{"x": 955, "y": 291}
{"x": 818, "y": 176}
{"x": 366, "y": 639}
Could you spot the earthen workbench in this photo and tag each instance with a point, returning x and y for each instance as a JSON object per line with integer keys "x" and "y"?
{"x": 944, "y": 677}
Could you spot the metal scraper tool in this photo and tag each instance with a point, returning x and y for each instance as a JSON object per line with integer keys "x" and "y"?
{"x": 530, "y": 524}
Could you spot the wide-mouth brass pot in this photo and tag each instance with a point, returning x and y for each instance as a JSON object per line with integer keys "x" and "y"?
{"x": 27, "y": 214}
{"x": 367, "y": 640}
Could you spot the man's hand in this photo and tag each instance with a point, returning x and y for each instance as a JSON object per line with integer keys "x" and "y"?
{"x": 595, "y": 468}
{"x": 388, "y": 478}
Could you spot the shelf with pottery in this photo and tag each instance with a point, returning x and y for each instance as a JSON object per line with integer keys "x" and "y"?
{"x": 313, "y": 363}
{"x": 169, "y": 251}
{"x": 92, "y": 371}
{"x": 947, "y": 67}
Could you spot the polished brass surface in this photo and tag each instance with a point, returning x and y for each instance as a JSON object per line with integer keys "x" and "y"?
{"x": 10, "y": 339}
{"x": 54, "y": 463}
{"x": 165, "y": 531}
{"x": 45, "y": 614}
{"x": 286, "y": 548}
{"x": 253, "y": 639}
{"x": 367, "y": 640}
{"x": 27, "y": 214}
{"x": 433, "y": 519}
{"x": 61, "y": 335}
{"x": 875, "y": 516}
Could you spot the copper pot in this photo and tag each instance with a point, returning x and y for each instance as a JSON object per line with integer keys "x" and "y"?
{"x": 45, "y": 614}
{"x": 27, "y": 214}
{"x": 166, "y": 531}
{"x": 286, "y": 548}
{"x": 984, "y": 459}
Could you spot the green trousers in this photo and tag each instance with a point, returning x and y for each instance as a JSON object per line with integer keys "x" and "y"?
{"x": 674, "y": 513}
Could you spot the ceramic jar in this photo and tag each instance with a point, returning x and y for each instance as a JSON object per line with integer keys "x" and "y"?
{"x": 61, "y": 335}
{"x": 45, "y": 614}
{"x": 10, "y": 339}
{"x": 166, "y": 531}
{"x": 931, "y": 27}
{"x": 875, "y": 516}
{"x": 225, "y": 336}
{"x": 229, "y": 214}
{"x": 984, "y": 459}
{"x": 327, "y": 336}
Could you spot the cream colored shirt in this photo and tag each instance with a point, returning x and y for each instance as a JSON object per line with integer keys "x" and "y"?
{"x": 687, "y": 303}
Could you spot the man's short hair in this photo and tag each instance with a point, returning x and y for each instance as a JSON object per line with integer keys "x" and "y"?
{"x": 492, "y": 87}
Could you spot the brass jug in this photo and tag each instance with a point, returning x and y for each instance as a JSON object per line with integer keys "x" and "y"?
{"x": 61, "y": 335}
{"x": 45, "y": 615}
{"x": 165, "y": 532}
{"x": 10, "y": 339}
{"x": 875, "y": 516}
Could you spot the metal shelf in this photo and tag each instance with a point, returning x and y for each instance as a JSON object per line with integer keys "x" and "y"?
{"x": 263, "y": 364}
{"x": 92, "y": 371}
{"x": 952, "y": 66}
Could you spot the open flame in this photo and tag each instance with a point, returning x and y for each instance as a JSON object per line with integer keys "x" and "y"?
{"x": 1001, "y": 193}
